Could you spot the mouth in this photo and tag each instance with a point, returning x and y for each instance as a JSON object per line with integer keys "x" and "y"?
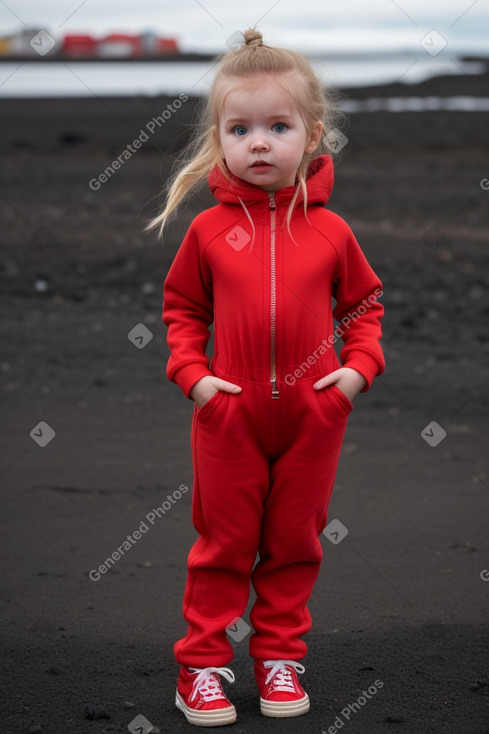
{"x": 261, "y": 164}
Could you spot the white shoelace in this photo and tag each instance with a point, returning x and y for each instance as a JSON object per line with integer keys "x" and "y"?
{"x": 208, "y": 684}
{"x": 284, "y": 677}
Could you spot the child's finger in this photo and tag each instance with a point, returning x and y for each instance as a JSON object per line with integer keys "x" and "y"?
{"x": 226, "y": 386}
{"x": 325, "y": 381}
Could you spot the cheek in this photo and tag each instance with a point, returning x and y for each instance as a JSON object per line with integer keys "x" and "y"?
{"x": 233, "y": 148}
{"x": 294, "y": 151}
{"x": 228, "y": 151}
{"x": 225, "y": 147}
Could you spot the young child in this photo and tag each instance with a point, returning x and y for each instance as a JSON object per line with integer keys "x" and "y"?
{"x": 271, "y": 406}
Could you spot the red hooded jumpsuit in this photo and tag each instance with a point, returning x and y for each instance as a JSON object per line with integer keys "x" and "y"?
{"x": 265, "y": 459}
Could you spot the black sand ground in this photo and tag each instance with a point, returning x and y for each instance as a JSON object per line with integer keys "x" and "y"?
{"x": 402, "y": 599}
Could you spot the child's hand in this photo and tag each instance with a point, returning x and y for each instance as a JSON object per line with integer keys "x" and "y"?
{"x": 207, "y": 386}
{"x": 348, "y": 380}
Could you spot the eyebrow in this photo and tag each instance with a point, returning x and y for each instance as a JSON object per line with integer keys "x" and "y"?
{"x": 278, "y": 116}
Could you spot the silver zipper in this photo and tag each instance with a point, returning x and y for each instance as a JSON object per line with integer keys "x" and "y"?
{"x": 273, "y": 300}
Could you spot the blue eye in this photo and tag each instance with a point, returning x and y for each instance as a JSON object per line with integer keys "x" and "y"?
{"x": 240, "y": 130}
{"x": 279, "y": 127}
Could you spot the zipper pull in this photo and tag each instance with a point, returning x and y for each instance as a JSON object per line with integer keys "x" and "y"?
{"x": 275, "y": 391}
{"x": 272, "y": 200}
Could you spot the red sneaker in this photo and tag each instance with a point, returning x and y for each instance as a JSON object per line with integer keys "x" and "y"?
{"x": 200, "y": 696}
{"x": 281, "y": 694}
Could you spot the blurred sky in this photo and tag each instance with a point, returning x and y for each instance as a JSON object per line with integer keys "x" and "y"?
{"x": 309, "y": 25}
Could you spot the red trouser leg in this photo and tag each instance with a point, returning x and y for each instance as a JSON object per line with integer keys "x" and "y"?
{"x": 264, "y": 472}
{"x": 290, "y": 552}
{"x": 231, "y": 478}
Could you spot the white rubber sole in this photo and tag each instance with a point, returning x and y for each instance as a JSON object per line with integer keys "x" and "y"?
{"x": 281, "y": 709}
{"x": 214, "y": 717}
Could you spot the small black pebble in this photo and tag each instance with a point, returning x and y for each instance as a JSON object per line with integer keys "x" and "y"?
{"x": 474, "y": 686}
{"x": 79, "y": 294}
{"x": 94, "y": 714}
{"x": 484, "y": 683}
{"x": 53, "y": 670}
{"x": 395, "y": 719}
{"x": 129, "y": 705}
{"x": 34, "y": 729}
{"x": 69, "y": 137}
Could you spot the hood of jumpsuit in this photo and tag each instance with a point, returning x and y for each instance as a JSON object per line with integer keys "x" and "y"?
{"x": 319, "y": 183}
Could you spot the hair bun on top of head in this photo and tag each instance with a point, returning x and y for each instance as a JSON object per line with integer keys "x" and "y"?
{"x": 252, "y": 37}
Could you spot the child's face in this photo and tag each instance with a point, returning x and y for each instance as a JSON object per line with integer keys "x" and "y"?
{"x": 262, "y": 135}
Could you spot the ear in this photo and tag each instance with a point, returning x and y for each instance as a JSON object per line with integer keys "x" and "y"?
{"x": 314, "y": 137}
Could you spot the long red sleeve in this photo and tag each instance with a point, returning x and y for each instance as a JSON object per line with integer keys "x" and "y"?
{"x": 356, "y": 288}
{"x": 188, "y": 313}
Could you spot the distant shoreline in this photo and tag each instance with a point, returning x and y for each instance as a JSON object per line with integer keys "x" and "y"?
{"x": 442, "y": 85}
{"x": 116, "y": 59}
{"x": 192, "y": 57}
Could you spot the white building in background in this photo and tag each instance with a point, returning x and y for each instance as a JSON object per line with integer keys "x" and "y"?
{"x": 19, "y": 44}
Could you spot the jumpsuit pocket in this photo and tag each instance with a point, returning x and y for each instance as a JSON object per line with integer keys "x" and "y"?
{"x": 210, "y": 404}
{"x": 340, "y": 396}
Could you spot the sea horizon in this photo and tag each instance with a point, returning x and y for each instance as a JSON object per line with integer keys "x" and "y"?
{"x": 70, "y": 78}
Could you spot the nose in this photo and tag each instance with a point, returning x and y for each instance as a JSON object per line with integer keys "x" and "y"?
{"x": 259, "y": 144}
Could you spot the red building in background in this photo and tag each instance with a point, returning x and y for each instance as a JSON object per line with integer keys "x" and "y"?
{"x": 79, "y": 46}
{"x": 117, "y": 45}
{"x": 133, "y": 46}
{"x": 167, "y": 46}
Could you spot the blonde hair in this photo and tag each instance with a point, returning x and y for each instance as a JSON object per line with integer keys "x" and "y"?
{"x": 203, "y": 152}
